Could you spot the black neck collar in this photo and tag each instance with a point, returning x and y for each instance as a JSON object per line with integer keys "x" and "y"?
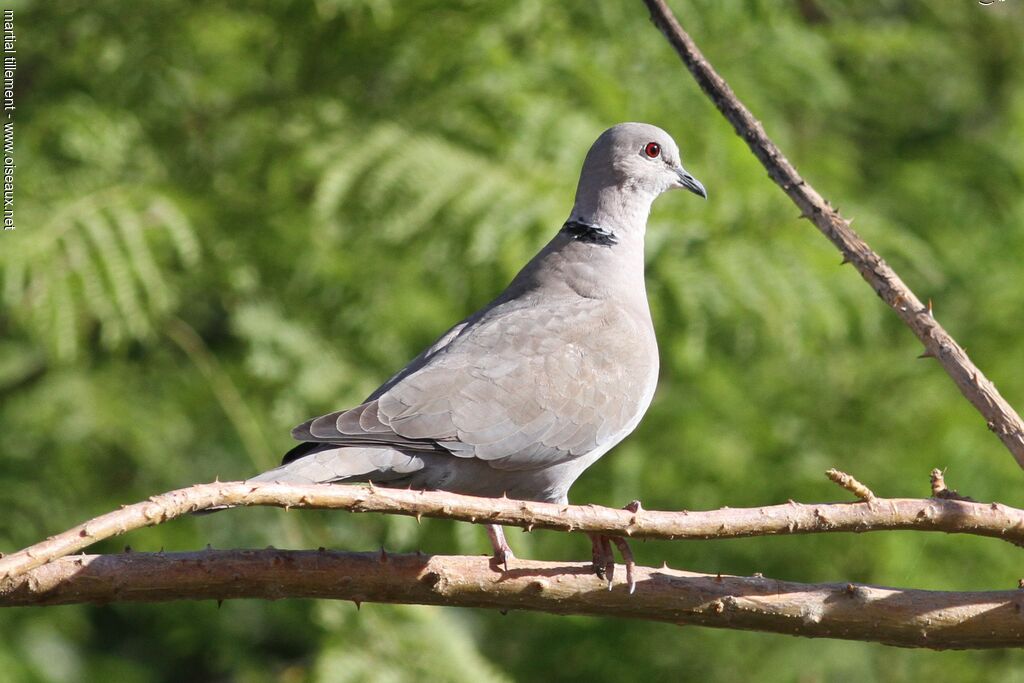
{"x": 590, "y": 234}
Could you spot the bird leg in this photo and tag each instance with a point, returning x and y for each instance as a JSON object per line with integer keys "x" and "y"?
{"x": 502, "y": 551}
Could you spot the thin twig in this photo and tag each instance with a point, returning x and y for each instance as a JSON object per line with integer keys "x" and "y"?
{"x": 852, "y": 485}
{"x": 929, "y": 514}
{"x": 983, "y": 395}
{"x": 939, "y": 490}
{"x": 910, "y": 618}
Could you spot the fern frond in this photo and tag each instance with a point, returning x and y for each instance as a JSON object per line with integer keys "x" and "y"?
{"x": 99, "y": 262}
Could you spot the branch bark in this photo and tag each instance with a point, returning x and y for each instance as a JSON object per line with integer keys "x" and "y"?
{"x": 911, "y": 618}
{"x": 976, "y": 388}
{"x": 929, "y": 514}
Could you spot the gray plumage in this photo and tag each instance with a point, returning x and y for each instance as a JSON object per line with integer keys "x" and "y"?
{"x": 522, "y": 396}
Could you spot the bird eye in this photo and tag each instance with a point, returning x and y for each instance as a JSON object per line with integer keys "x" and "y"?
{"x": 653, "y": 149}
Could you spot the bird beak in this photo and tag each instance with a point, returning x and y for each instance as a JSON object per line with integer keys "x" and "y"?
{"x": 690, "y": 183}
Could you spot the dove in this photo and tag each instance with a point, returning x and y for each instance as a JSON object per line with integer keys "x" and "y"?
{"x": 521, "y": 397}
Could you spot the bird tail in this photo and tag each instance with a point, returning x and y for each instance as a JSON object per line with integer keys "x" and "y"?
{"x": 328, "y": 463}
{"x": 285, "y": 474}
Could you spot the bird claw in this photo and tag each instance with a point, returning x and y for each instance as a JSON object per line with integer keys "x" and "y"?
{"x": 501, "y": 557}
{"x": 604, "y": 561}
{"x": 633, "y": 506}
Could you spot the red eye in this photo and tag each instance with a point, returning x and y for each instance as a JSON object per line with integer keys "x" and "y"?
{"x": 653, "y": 149}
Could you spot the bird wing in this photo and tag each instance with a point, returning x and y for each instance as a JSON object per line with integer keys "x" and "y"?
{"x": 525, "y": 386}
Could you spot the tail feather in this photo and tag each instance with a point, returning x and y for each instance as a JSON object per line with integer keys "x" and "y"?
{"x": 324, "y": 463}
{"x": 314, "y": 463}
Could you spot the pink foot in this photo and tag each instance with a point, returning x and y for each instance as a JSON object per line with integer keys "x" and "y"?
{"x": 502, "y": 551}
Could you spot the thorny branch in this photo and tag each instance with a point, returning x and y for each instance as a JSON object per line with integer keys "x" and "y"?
{"x": 929, "y": 514}
{"x": 44, "y": 574}
{"x": 939, "y": 344}
{"x": 910, "y": 618}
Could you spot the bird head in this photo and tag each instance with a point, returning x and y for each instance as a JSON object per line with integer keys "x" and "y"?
{"x": 626, "y": 169}
{"x": 642, "y": 157}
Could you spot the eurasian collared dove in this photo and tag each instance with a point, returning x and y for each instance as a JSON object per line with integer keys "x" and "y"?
{"x": 522, "y": 396}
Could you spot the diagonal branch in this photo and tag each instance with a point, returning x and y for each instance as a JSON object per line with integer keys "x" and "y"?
{"x": 910, "y": 618}
{"x": 982, "y": 393}
{"x": 930, "y": 514}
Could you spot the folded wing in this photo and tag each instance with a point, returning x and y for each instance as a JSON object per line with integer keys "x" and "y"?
{"x": 521, "y": 388}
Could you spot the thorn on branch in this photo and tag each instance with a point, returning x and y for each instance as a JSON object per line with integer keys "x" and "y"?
{"x": 939, "y": 489}
{"x": 852, "y": 485}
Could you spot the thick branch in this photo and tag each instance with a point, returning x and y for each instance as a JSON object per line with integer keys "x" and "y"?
{"x": 915, "y": 618}
{"x": 951, "y": 516}
{"x": 983, "y": 395}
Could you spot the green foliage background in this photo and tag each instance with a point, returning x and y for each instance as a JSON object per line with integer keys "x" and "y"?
{"x": 233, "y": 216}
